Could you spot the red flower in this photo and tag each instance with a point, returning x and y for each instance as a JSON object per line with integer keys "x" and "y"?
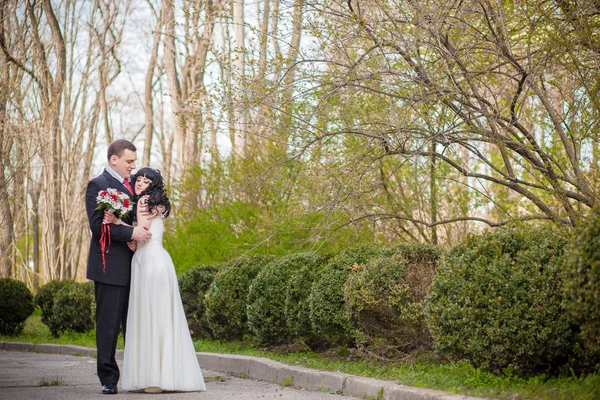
{"x": 104, "y": 193}
{"x": 126, "y": 203}
{"x": 114, "y": 197}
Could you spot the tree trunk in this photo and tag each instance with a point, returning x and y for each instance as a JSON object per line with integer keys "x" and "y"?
{"x": 148, "y": 88}
{"x": 433, "y": 194}
{"x": 170, "y": 62}
{"x": 35, "y": 231}
{"x": 287, "y": 101}
{"x": 6, "y": 218}
{"x": 240, "y": 115}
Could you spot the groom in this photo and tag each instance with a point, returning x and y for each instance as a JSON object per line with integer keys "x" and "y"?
{"x": 111, "y": 283}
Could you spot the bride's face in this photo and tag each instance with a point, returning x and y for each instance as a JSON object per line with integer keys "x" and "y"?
{"x": 141, "y": 183}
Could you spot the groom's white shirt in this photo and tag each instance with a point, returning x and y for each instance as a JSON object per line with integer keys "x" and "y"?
{"x": 114, "y": 174}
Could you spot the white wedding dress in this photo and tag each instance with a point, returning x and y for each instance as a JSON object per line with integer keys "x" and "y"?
{"x": 158, "y": 347}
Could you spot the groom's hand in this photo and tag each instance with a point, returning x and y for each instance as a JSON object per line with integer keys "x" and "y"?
{"x": 132, "y": 245}
{"x": 141, "y": 235}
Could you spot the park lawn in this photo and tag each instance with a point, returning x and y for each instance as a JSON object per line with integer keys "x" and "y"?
{"x": 459, "y": 377}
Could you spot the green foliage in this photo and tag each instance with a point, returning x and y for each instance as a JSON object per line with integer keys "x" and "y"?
{"x": 193, "y": 285}
{"x": 296, "y": 305}
{"x": 221, "y": 216}
{"x": 496, "y": 301}
{"x": 267, "y": 297}
{"x": 328, "y": 314}
{"x": 44, "y": 298}
{"x": 16, "y": 304}
{"x": 213, "y": 235}
{"x": 73, "y": 309}
{"x": 226, "y": 297}
{"x": 385, "y": 296}
{"x": 67, "y": 306}
{"x": 582, "y": 280}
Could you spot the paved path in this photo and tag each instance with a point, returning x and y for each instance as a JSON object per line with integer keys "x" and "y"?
{"x": 23, "y": 373}
{"x": 27, "y": 368}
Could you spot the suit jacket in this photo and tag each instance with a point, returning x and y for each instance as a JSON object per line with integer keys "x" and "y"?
{"x": 118, "y": 258}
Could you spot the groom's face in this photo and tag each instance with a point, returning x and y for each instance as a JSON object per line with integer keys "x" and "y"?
{"x": 125, "y": 164}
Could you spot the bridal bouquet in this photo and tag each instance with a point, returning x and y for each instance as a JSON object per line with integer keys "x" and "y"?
{"x": 116, "y": 202}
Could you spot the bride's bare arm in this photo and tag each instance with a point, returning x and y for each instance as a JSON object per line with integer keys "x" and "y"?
{"x": 143, "y": 215}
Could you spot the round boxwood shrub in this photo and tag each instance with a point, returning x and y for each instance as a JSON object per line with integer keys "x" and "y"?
{"x": 16, "y": 305}
{"x": 385, "y": 296}
{"x": 193, "y": 285}
{"x": 266, "y": 297}
{"x": 73, "y": 309}
{"x": 296, "y": 304}
{"x": 226, "y": 297}
{"x": 582, "y": 280}
{"x": 328, "y": 314}
{"x": 496, "y": 301}
{"x": 44, "y": 298}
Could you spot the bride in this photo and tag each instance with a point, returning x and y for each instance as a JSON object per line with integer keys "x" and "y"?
{"x": 159, "y": 353}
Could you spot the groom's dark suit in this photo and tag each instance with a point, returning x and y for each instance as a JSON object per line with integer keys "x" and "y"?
{"x": 111, "y": 283}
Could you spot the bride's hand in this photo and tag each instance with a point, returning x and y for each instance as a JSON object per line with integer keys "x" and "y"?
{"x": 143, "y": 208}
{"x": 109, "y": 218}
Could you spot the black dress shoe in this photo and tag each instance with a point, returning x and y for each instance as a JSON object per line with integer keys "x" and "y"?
{"x": 109, "y": 389}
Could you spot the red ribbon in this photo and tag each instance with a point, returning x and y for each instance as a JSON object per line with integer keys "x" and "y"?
{"x": 103, "y": 248}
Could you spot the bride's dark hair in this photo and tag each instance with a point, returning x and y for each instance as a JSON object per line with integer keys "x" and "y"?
{"x": 157, "y": 195}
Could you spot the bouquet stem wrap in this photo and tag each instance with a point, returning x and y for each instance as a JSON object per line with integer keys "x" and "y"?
{"x": 104, "y": 237}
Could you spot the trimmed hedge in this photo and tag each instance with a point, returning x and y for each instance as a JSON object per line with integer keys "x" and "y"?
{"x": 582, "y": 280}
{"x": 328, "y": 314}
{"x": 496, "y": 301}
{"x": 67, "y": 306}
{"x": 385, "y": 296}
{"x": 16, "y": 305}
{"x": 73, "y": 309}
{"x": 193, "y": 285}
{"x": 44, "y": 298}
{"x": 267, "y": 294}
{"x": 296, "y": 305}
{"x": 226, "y": 297}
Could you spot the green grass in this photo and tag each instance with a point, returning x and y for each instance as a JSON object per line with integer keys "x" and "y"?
{"x": 36, "y": 332}
{"x": 461, "y": 378}
{"x": 53, "y": 382}
{"x": 289, "y": 381}
{"x": 458, "y": 377}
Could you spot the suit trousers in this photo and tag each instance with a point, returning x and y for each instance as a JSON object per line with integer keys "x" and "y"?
{"x": 112, "y": 302}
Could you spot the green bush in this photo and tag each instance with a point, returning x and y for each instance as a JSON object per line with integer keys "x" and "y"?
{"x": 496, "y": 301}
{"x": 73, "y": 309}
{"x": 296, "y": 305}
{"x": 16, "y": 304}
{"x": 267, "y": 294}
{"x": 582, "y": 280}
{"x": 328, "y": 314}
{"x": 226, "y": 297}
{"x": 193, "y": 285}
{"x": 44, "y": 298}
{"x": 385, "y": 296}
